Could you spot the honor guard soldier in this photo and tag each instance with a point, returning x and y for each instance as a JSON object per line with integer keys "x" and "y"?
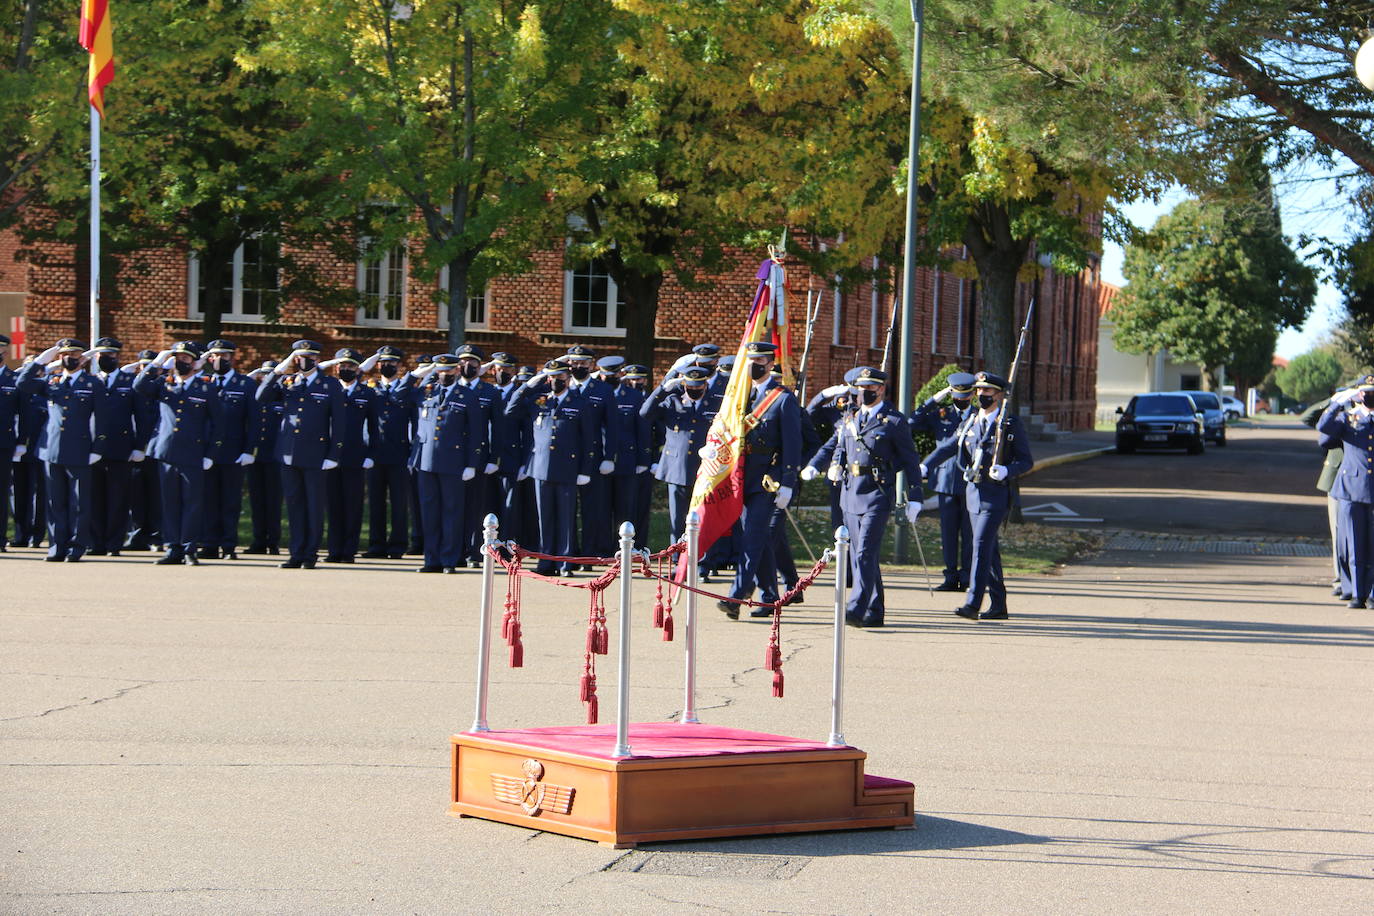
{"x": 491, "y": 415}
{"x": 263, "y": 476}
{"x": 423, "y": 374}
{"x": 30, "y": 473}
{"x": 594, "y": 501}
{"x": 956, "y": 531}
{"x": 145, "y": 487}
{"x": 1349, "y": 421}
{"x": 631, "y": 455}
{"x": 608, "y": 369}
{"x": 450, "y": 447}
{"x": 509, "y": 449}
{"x": 388, "y": 480}
{"x": 187, "y": 432}
{"x": 519, "y": 516}
{"x": 683, "y": 408}
{"x": 563, "y": 456}
{"x": 1342, "y": 585}
{"x": 635, "y": 377}
{"x": 826, "y": 410}
{"x": 238, "y": 430}
{"x": 987, "y": 489}
{"x": 11, "y": 402}
{"x": 67, "y": 445}
{"x": 117, "y": 441}
{"x": 771, "y": 453}
{"x": 868, "y": 448}
{"x": 344, "y": 485}
{"x": 309, "y": 443}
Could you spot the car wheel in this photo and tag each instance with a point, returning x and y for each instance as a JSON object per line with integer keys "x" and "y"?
{"x": 1196, "y": 447}
{"x": 1232, "y": 415}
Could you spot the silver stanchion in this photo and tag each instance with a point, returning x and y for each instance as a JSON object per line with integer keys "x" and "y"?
{"x": 489, "y": 526}
{"x": 689, "y": 703}
{"x": 622, "y": 705}
{"x": 836, "y": 738}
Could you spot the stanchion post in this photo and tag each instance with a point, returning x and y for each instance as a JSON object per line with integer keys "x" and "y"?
{"x": 836, "y": 738}
{"x": 489, "y": 531}
{"x": 622, "y": 705}
{"x": 689, "y": 703}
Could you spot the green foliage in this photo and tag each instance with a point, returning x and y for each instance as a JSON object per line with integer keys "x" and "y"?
{"x": 1310, "y": 377}
{"x": 925, "y": 442}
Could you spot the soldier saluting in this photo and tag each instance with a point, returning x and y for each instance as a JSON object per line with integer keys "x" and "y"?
{"x": 1349, "y": 422}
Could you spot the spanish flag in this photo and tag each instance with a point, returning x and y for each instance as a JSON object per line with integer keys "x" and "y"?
{"x": 718, "y": 493}
{"x": 96, "y": 38}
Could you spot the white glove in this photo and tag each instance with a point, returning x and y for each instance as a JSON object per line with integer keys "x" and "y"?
{"x": 46, "y": 357}
{"x": 368, "y": 364}
{"x": 924, "y": 473}
{"x": 286, "y": 460}
{"x": 285, "y": 365}
{"x": 998, "y": 472}
{"x": 605, "y": 467}
{"x": 199, "y": 364}
{"x": 161, "y": 359}
{"x": 136, "y": 455}
{"x": 943, "y": 392}
{"x": 834, "y": 391}
{"x": 809, "y": 473}
{"x": 88, "y": 354}
{"x": 832, "y": 473}
{"x": 640, "y": 469}
{"x": 490, "y": 468}
{"x": 653, "y": 469}
{"x": 1340, "y": 397}
{"x": 94, "y": 458}
{"x": 206, "y": 464}
{"x": 20, "y": 451}
{"x": 522, "y": 474}
{"x": 683, "y": 362}
{"x": 329, "y": 363}
{"x": 328, "y": 464}
{"x": 368, "y": 464}
{"x": 469, "y": 473}
{"x": 784, "y": 497}
{"x": 245, "y": 459}
{"x": 135, "y": 366}
{"x": 913, "y": 509}
{"x": 707, "y": 452}
{"x": 583, "y": 480}
{"x": 426, "y": 372}
{"x": 674, "y": 382}
{"x": 536, "y": 380}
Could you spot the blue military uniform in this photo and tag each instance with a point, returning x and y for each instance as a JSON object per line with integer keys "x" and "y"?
{"x": 344, "y": 485}
{"x": 478, "y": 495}
{"x": 309, "y": 442}
{"x": 187, "y": 432}
{"x": 1353, "y": 487}
{"x": 956, "y": 531}
{"x": 594, "y": 499}
{"x": 237, "y": 434}
{"x": 684, "y": 422}
{"x": 11, "y": 401}
{"x": 519, "y": 517}
{"x": 388, "y": 480}
{"x": 417, "y": 536}
{"x": 263, "y": 476}
{"x": 871, "y": 444}
{"x": 30, "y": 474}
{"x": 987, "y": 499}
{"x": 116, "y": 432}
{"x": 631, "y": 459}
{"x": 67, "y": 447}
{"x": 563, "y": 455}
{"x": 450, "y": 444}
{"x": 145, "y": 488}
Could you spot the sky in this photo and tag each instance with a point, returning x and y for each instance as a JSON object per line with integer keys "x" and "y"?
{"x": 1310, "y": 204}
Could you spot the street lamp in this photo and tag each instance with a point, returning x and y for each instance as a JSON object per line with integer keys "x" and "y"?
{"x": 1364, "y": 61}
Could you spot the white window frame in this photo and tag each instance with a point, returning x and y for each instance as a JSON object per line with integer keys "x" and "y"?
{"x": 613, "y": 304}
{"x": 235, "y": 311}
{"x": 385, "y": 270}
{"x": 874, "y": 308}
{"x": 483, "y": 297}
{"x": 935, "y": 313}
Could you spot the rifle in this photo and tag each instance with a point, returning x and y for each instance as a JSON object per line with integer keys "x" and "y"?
{"x": 997, "y": 442}
{"x": 811, "y": 316}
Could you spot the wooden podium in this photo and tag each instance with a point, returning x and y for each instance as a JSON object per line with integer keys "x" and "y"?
{"x": 681, "y": 781}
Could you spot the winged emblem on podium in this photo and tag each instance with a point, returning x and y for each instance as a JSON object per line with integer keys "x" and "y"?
{"x": 530, "y": 792}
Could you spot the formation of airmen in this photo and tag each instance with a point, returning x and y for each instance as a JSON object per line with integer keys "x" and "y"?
{"x": 156, "y": 453}
{"x": 1345, "y": 428}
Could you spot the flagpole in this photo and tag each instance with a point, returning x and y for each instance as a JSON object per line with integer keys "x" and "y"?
{"x": 95, "y": 225}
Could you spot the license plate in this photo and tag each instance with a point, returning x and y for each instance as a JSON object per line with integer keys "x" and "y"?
{"x": 1157, "y": 437}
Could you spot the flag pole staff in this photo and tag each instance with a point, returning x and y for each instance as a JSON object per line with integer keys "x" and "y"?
{"x": 95, "y": 225}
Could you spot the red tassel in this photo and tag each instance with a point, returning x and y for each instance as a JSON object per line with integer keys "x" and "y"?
{"x": 513, "y": 637}
{"x": 585, "y": 688}
{"x": 658, "y": 614}
{"x": 591, "y": 711}
{"x": 517, "y": 654}
{"x": 773, "y": 657}
{"x": 777, "y": 683}
{"x": 667, "y": 629}
{"x": 603, "y": 641}
{"x": 505, "y": 626}
{"x": 591, "y": 638}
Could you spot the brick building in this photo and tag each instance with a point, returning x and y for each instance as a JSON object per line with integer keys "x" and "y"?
{"x": 152, "y": 300}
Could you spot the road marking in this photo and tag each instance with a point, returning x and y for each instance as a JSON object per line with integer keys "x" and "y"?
{"x": 1056, "y": 512}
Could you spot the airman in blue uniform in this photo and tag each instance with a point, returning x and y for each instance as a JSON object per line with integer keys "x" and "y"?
{"x": 145, "y": 487}
{"x": 237, "y": 434}
{"x": 1349, "y": 422}
{"x": 263, "y": 476}
{"x": 508, "y": 447}
{"x": 67, "y": 446}
{"x": 636, "y": 377}
{"x": 309, "y": 443}
{"x": 871, "y": 444}
{"x": 519, "y": 516}
{"x": 477, "y": 502}
{"x": 11, "y": 401}
{"x": 30, "y": 473}
{"x": 598, "y": 529}
{"x": 956, "y": 530}
{"x": 344, "y": 485}
{"x": 563, "y": 456}
{"x": 388, "y": 480}
{"x": 117, "y": 441}
{"x": 987, "y": 489}
{"x": 772, "y": 453}
{"x": 632, "y": 449}
{"x": 423, "y": 373}
{"x": 825, "y": 410}
{"x": 683, "y": 408}
{"x": 187, "y": 432}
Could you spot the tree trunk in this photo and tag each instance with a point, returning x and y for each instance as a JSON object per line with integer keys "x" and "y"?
{"x": 998, "y": 256}
{"x": 640, "y": 310}
{"x": 217, "y": 280}
{"x": 457, "y": 305}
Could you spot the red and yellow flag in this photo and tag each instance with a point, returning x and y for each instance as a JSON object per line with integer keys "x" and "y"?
{"x": 718, "y": 494}
{"x": 96, "y": 37}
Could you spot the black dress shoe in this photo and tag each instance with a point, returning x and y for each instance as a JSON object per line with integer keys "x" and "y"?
{"x": 308, "y": 563}
{"x": 451, "y": 570}
{"x": 1347, "y": 597}
{"x": 415, "y": 548}
{"x": 567, "y": 573}
{"x": 274, "y": 551}
{"x": 759, "y": 612}
{"x": 170, "y": 559}
{"x": 703, "y": 575}
{"x": 1335, "y": 590}
{"x": 192, "y": 560}
{"x": 74, "y": 557}
{"x": 430, "y": 569}
{"x": 994, "y": 613}
{"x": 729, "y": 609}
{"x": 208, "y": 553}
{"x": 138, "y": 545}
{"x": 230, "y": 555}
{"x": 374, "y": 554}
{"x": 56, "y": 558}
{"x": 254, "y": 550}
{"x": 1355, "y": 603}
{"x": 395, "y": 556}
{"x": 967, "y": 611}
{"x": 872, "y": 622}
{"x": 474, "y": 562}
{"x": 854, "y": 621}
{"x": 290, "y": 564}
{"x": 97, "y": 553}
{"x": 4, "y": 548}
{"x": 344, "y": 559}
{"x": 949, "y": 587}
{"x": 114, "y": 553}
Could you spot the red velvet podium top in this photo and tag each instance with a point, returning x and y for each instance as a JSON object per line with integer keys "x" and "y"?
{"x": 651, "y": 740}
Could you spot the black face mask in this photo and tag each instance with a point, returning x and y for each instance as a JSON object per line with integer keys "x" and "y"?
{"x": 387, "y": 369}
{"x": 560, "y": 385}
{"x": 185, "y": 366}
{"x": 581, "y": 372}
{"x": 961, "y": 403}
{"x": 469, "y": 370}
{"x": 305, "y": 363}
{"x": 107, "y": 362}
{"x": 870, "y": 398}
{"x": 347, "y": 375}
{"x": 696, "y": 393}
{"x": 986, "y": 400}
{"x": 447, "y": 378}
{"x": 757, "y": 371}
{"x": 71, "y": 363}
{"x": 504, "y": 378}
{"x": 1369, "y": 399}
{"x": 221, "y": 367}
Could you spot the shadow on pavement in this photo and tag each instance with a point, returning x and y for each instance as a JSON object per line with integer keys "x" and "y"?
{"x": 931, "y": 833}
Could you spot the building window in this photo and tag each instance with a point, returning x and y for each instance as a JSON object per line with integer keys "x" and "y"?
{"x": 255, "y": 284}
{"x": 874, "y": 308}
{"x": 477, "y": 305}
{"x": 838, "y": 308}
{"x": 591, "y": 300}
{"x": 935, "y": 312}
{"x": 382, "y": 286}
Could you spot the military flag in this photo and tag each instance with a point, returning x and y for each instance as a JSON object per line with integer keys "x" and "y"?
{"x": 96, "y": 37}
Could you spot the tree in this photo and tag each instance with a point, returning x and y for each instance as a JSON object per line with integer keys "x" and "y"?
{"x": 1310, "y": 377}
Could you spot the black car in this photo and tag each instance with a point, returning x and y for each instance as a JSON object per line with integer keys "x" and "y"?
{"x": 1159, "y": 420}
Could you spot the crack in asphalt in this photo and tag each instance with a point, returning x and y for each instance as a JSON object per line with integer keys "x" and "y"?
{"x": 125, "y": 691}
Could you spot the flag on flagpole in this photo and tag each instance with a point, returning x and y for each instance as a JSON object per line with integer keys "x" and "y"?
{"x": 96, "y": 37}
{"x": 718, "y": 494}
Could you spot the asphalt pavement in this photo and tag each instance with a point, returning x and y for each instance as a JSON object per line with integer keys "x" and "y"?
{"x": 1153, "y": 731}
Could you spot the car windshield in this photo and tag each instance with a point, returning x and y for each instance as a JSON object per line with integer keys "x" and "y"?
{"x": 1162, "y": 406}
{"x": 1206, "y": 401}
